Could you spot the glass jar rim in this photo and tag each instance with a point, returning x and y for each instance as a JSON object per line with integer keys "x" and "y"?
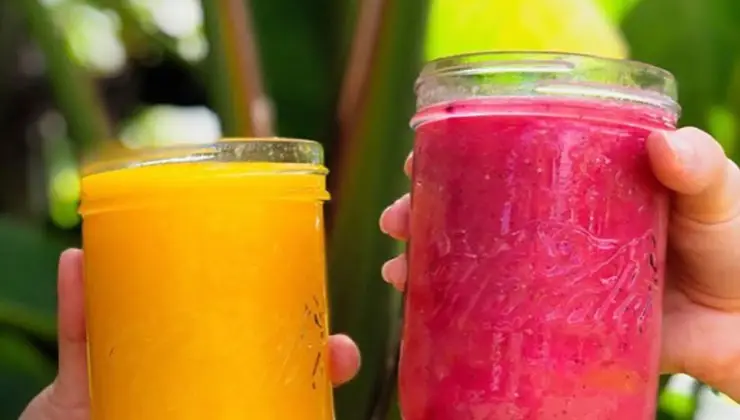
{"x": 554, "y": 73}
{"x": 299, "y": 155}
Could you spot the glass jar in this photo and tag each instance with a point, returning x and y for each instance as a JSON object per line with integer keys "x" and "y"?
{"x": 205, "y": 282}
{"x": 538, "y": 231}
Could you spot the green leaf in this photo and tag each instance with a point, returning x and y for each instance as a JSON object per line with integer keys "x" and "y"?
{"x": 722, "y": 124}
{"x": 693, "y": 40}
{"x": 299, "y": 68}
{"x": 24, "y": 371}
{"x": 28, "y": 286}
{"x": 395, "y": 412}
{"x": 375, "y": 141}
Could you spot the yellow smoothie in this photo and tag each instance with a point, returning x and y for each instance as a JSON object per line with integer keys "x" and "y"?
{"x": 205, "y": 286}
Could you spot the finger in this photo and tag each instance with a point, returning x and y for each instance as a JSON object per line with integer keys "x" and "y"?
{"x": 693, "y": 164}
{"x": 344, "y": 359}
{"x": 408, "y": 166}
{"x": 70, "y": 387}
{"x": 696, "y": 342}
{"x": 395, "y": 219}
{"x": 704, "y": 225}
{"x": 395, "y": 270}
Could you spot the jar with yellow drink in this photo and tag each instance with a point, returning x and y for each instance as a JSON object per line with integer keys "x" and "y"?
{"x": 205, "y": 282}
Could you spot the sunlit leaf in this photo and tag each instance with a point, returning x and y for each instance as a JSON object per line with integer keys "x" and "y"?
{"x": 166, "y": 125}
{"x": 176, "y": 22}
{"x": 93, "y": 37}
{"x": 146, "y": 26}
{"x": 678, "y": 398}
{"x": 578, "y": 26}
{"x": 63, "y": 184}
{"x": 615, "y": 10}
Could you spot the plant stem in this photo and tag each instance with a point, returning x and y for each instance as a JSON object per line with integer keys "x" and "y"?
{"x": 235, "y": 78}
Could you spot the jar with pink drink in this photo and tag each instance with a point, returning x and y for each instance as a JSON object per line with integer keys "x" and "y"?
{"x": 538, "y": 231}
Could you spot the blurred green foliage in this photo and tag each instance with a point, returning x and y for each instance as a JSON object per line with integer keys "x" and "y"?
{"x": 340, "y": 71}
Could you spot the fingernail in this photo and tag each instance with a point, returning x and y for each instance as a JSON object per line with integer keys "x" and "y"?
{"x": 382, "y": 217}
{"x": 383, "y": 214}
{"x": 385, "y": 271}
{"x": 681, "y": 146}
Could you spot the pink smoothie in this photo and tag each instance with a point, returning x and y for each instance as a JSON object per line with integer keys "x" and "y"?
{"x": 536, "y": 262}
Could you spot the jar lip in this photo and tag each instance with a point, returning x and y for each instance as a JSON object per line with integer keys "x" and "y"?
{"x": 297, "y": 154}
{"x": 455, "y": 62}
{"x": 564, "y": 72}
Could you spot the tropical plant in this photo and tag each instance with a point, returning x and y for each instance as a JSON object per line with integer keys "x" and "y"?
{"x": 340, "y": 71}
